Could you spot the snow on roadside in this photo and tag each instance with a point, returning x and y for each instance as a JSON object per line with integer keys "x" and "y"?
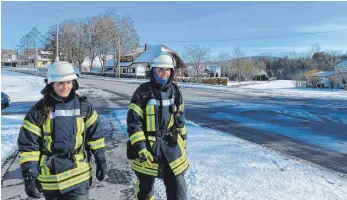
{"x": 22, "y": 89}
{"x": 225, "y": 167}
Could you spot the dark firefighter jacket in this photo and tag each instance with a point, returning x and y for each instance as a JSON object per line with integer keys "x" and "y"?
{"x": 153, "y": 115}
{"x": 54, "y": 149}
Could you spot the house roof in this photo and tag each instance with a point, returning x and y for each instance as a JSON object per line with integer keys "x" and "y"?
{"x": 110, "y": 63}
{"x": 342, "y": 63}
{"x": 324, "y": 74}
{"x": 215, "y": 68}
{"x": 154, "y": 50}
{"x": 42, "y": 52}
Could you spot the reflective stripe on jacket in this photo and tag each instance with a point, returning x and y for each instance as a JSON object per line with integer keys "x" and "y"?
{"x": 61, "y": 133}
{"x": 152, "y": 114}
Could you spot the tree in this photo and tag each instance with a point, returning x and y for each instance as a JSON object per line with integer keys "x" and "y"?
{"x": 225, "y": 61}
{"x": 237, "y": 54}
{"x": 29, "y": 42}
{"x": 246, "y": 68}
{"x": 50, "y": 41}
{"x": 124, "y": 37}
{"x": 196, "y": 55}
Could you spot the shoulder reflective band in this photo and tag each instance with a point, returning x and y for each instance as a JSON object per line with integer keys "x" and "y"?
{"x": 138, "y": 136}
{"x": 150, "y": 118}
{"x": 91, "y": 119}
{"x": 182, "y": 131}
{"x": 29, "y": 156}
{"x": 47, "y": 135}
{"x": 136, "y": 109}
{"x": 80, "y": 129}
{"x": 97, "y": 144}
{"x": 31, "y": 127}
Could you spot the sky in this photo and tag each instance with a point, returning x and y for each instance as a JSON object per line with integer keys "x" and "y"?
{"x": 213, "y": 25}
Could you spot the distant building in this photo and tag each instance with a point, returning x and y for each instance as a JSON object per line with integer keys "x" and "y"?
{"x": 137, "y": 62}
{"x": 341, "y": 66}
{"x": 43, "y": 58}
{"x": 8, "y": 56}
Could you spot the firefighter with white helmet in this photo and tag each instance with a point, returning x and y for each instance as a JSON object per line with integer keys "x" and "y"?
{"x": 57, "y": 137}
{"x": 157, "y": 132}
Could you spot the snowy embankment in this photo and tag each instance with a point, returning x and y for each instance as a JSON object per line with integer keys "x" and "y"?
{"x": 22, "y": 89}
{"x": 224, "y": 167}
{"x": 277, "y": 88}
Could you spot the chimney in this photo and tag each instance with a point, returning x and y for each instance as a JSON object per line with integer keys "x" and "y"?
{"x": 146, "y": 46}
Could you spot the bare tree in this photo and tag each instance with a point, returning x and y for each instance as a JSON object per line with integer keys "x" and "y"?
{"x": 246, "y": 68}
{"x": 225, "y": 61}
{"x": 196, "y": 55}
{"x": 49, "y": 40}
{"x": 237, "y": 54}
{"x": 124, "y": 36}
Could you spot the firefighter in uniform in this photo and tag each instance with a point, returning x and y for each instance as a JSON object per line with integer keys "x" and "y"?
{"x": 157, "y": 132}
{"x": 57, "y": 138}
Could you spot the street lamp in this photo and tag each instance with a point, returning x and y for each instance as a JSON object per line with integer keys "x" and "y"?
{"x": 57, "y": 55}
{"x": 11, "y": 54}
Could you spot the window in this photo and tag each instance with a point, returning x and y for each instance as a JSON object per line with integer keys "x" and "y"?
{"x": 124, "y": 71}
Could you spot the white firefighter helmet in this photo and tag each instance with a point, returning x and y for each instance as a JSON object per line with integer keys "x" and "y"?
{"x": 61, "y": 71}
{"x": 164, "y": 60}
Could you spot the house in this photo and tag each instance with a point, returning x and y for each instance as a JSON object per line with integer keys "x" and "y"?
{"x": 8, "y": 56}
{"x": 126, "y": 64}
{"x": 216, "y": 71}
{"x": 322, "y": 79}
{"x": 261, "y": 76}
{"x": 204, "y": 71}
{"x": 341, "y": 66}
{"x": 43, "y": 58}
{"x": 150, "y": 52}
{"x": 135, "y": 63}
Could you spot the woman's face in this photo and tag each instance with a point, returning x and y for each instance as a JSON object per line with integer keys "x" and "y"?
{"x": 63, "y": 88}
{"x": 163, "y": 73}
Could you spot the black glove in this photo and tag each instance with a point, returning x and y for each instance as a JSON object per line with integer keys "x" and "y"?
{"x": 32, "y": 186}
{"x": 101, "y": 167}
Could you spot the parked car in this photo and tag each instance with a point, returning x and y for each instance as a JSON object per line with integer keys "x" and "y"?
{"x": 5, "y": 100}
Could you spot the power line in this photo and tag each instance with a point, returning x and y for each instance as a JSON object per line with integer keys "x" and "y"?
{"x": 249, "y": 38}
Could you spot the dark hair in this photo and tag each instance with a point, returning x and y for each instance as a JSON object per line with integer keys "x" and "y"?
{"x": 45, "y": 106}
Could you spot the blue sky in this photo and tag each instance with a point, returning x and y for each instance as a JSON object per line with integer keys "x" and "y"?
{"x": 169, "y": 22}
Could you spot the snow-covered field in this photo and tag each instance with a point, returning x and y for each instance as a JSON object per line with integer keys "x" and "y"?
{"x": 221, "y": 166}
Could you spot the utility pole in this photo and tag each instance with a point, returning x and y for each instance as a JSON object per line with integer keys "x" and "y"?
{"x": 118, "y": 63}
{"x": 57, "y": 45}
{"x": 11, "y": 55}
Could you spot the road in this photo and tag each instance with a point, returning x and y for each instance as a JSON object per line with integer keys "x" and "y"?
{"x": 263, "y": 120}
{"x": 202, "y": 107}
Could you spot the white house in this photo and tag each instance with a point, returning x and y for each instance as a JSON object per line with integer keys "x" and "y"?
{"x": 136, "y": 62}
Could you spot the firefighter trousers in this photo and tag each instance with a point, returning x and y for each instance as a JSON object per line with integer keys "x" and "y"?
{"x": 176, "y": 188}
